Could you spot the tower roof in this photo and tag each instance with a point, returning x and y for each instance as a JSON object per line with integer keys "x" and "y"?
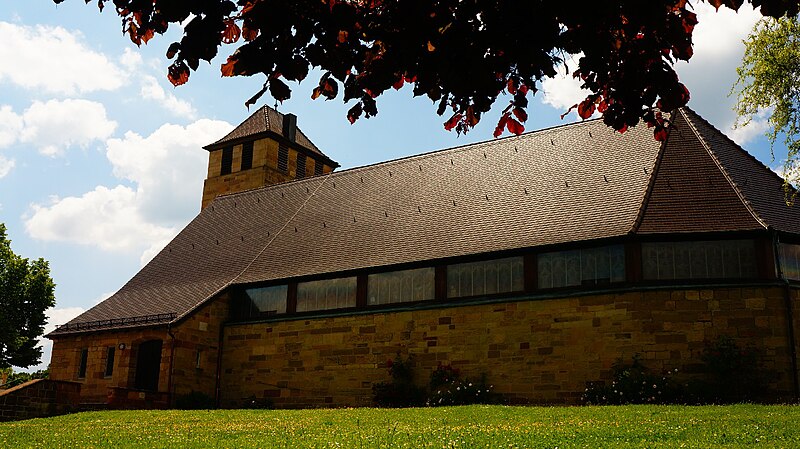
{"x": 264, "y": 121}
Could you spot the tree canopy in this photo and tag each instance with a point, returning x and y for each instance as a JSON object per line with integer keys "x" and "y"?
{"x": 769, "y": 82}
{"x": 26, "y": 291}
{"x": 462, "y": 54}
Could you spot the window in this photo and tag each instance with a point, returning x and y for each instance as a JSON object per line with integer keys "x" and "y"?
{"x": 581, "y": 267}
{"x": 699, "y": 260}
{"x": 326, "y": 294}
{"x": 247, "y": 155}
{"x": 227, "y": 161}
{"x": 283, "y": 158}
{"x": 84, "y": 358}
{"x": 301, "y": 166}
{"x": 485, "y": 277}
{"x": 401, "y": 286}
{"x": 790, "y": 261}
{"x": 318, "y": 165}
{"x": 266, "y": 300}
{"x": 109, "y": 361}
{"x": 197, "y": 358}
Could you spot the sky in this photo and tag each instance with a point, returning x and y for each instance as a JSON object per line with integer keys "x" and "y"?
{"x": 101, "y": 159}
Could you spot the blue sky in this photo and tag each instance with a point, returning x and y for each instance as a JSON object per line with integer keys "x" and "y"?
{"x": 101, "y": 161}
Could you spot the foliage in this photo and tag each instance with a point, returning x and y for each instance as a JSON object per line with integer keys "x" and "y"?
{"x": 26, "y": 291}
{"x": 733, "y": 372}
{"x": 259, "y": 403}
{"x": 195, "y": 400}
{"x": 635, "y": 384}
{"x": 769, "y": 80}
{"x": 448, "y": 388}
{"x": 462, "y": 55}
{"x": 400, "y": 391}
{"x": 18, "y": 377}
{"x": 640, "y": 426}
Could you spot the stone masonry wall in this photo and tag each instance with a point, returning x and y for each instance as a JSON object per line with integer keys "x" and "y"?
{"x": 538, "y": 351}
{"x": 39, "y": 398}
{"x": 65, "y": 360}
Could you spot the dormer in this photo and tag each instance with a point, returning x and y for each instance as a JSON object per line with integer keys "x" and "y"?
{"x": 267, "y": 148}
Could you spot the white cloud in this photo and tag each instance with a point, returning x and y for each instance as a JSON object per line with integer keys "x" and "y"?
{"x": 58, "y": 124}
{"x": 746, "y": 133}
{"x": 168, "y": 168}
{"x": 10, "y": 126}
{"x": 54, "y": 60}
{"x": 153, "y": 91}
{"x": 6, "y": 165}
{"x": 130, "y": 59}
{"x": 563, "y": 91}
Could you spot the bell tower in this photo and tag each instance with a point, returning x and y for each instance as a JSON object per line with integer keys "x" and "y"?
{"x": 267, "y": 148}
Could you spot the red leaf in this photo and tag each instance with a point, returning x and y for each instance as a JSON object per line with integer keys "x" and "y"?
{"x": 501, "y": 124}
{"x": 623, "y": 129}
{"x": 228, "y": 69}
{"x": 602, "y": 106}
{"x": 515, "y": 127}
{"x": 231, "y": 33}
{"x": 398, "y": 84}
{"x": 660, "y": 133}
{"x": 586, "y": 108}
{"x": 248, "y": 33}
{"x": 342, "y": 36}
{"x": 354, "y": 113}
{"x": 148, "y": 35}
{"x": 521, "y": 115}
{"x": 524, "y": 89}
{"x": 450, "y": 124}
{"x": 511, "y": 87}
{"x": 472, "y": 118}
{"x": 178, "y": 73}
{"x": 316, "y": 93}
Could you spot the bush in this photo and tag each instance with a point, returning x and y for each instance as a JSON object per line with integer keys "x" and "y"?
{"x": 195, "y": 401}
{"x": 400, "y": 391}
{"x": 255, "y": 403}
{"x": 447, "y": 388}
{"x": 635, "y": 384}
{"x": 732, "y": 373}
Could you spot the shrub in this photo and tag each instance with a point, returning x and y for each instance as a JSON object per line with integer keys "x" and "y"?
{"x": 258, "y": 403}
{"x": 635, "y": 384}
{"x": 400, "y": 391}
{"x": 732, "y": 372}
{"x": 447, "y": 388}
{"x": 195, "y": 401}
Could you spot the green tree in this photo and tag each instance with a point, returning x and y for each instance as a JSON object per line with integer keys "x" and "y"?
{"x": 769, "y": 81}
{"x": 26, "y": 291}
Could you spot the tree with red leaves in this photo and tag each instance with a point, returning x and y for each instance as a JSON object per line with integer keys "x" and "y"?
{"x": 462, "y": 54}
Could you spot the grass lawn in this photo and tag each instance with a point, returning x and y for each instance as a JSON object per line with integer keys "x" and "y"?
{"x": 736, "y": 426}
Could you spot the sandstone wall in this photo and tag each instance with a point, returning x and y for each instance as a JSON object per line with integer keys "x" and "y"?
{"x": 39, "y": 398}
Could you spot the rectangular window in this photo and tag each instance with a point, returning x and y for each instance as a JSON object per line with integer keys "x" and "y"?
{"x": 790, "y": 261}
{"x": 581, "y": 267}
{"x": 247, "y": 155}
{"x": 283, "y": 158}
{"x": 227, "y": 161}
{"x": 109, "y": 361}
{"x": 266, "y": 300}
{"x": 487, "y": 277}
{"x": 84, "y": 358}
{"x": 318, "y": 167}
{"x": 326, "y": 294}
{"x": 301, "y": 166}
{"x": 720, "y": 259}
{"x": 197, "y": 359}
{"x": 401, "y": 286}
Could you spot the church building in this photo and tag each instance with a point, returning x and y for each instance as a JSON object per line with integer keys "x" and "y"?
{"x": 539, "y": 260}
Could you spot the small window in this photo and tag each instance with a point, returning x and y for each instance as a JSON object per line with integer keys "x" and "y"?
{"x": 326, "y": 294}
{"x": 401, "y": 286}
{"x": 719, "y": 259}
{"x": 109, "y": 361}
{"x": 84, "y": 358}
{"x": 283, "y": 158}
{"x": 247, "y": 155}
{"x": 318, "y": 165}
{"x": 266, "y": 300}
{"x": 197, "y": 359}
{"x": 227, "y": 161}
{"x": 790, "y": 261}
{"x": 581, "y": 267}
{"x": 301, "y": 166}
{"x": 487, "y": 277}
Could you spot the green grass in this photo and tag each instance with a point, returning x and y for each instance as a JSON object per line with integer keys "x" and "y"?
{"x": 736, "y": 426}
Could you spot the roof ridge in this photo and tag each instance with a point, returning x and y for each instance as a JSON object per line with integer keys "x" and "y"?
{"x": 742, "y": 197}
{"x": 637, "y": 222}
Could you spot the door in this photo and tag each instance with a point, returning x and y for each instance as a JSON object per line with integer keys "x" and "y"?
{"x": 148, "y": 365}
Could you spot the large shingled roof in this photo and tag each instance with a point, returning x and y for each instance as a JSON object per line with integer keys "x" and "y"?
{"x": 570, "y": 183}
